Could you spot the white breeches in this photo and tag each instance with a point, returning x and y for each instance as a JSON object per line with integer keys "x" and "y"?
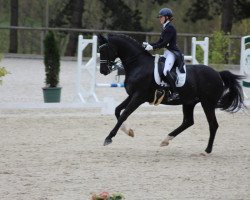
{"x": 170, "y": 59}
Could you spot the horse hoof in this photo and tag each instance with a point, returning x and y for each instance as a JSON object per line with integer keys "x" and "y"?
{"x": 107, "y": 141}
{"x": 131, "y": 133}
{"x": 204, "y": 154}
{"x": 164, "y": 143}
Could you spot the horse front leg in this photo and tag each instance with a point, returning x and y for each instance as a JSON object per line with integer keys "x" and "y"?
{"x": 133, "y": 104}
{"x": 122, "y": 106}
{"x": 118, "y": 110}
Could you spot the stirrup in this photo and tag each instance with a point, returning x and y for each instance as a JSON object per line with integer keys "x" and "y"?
{"x": 158, "y": 97}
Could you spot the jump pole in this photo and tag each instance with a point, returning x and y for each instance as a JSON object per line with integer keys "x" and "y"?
{"x": 110, "y": 84}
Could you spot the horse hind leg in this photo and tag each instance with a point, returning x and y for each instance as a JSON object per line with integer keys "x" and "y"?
{"x": 213, "y": 126}
{"x": 188, "y": 120}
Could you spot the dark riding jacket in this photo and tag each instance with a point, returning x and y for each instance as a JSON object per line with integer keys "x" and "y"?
{"x": 167, "y": 39}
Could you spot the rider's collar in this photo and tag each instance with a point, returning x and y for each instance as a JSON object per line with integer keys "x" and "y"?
{"x": 165, "y": 24}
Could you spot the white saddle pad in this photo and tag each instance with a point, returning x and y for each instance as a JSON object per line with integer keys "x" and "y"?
{"x": 181, "y": 77}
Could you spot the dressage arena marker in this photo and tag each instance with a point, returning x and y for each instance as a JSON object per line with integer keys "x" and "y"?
{"x": 85, "y": 93}
{"x": 245, "y": 60}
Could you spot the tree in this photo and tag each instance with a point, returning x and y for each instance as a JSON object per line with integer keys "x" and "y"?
{"x": 13, "y": 47}
{"x": 70, "y": 16}
{"x": 230, "y": 10}
{"x": 118, "y": 16}
{"x": 227, "y": 15}
{"x": 75, "y": 22}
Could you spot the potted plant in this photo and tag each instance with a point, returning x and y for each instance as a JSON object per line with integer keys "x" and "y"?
{"x": 51, "y": 92}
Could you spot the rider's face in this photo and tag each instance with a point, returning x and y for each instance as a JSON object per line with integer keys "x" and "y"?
{"x": 162, "y": 19}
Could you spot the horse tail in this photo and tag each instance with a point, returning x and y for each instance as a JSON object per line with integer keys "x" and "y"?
{"x": 232, "y": 99}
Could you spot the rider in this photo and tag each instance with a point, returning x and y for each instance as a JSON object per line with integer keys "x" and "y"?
{"x": 168, "y": 41}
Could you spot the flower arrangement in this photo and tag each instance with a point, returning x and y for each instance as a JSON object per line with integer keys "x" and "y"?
{"x": 107, "y": 196}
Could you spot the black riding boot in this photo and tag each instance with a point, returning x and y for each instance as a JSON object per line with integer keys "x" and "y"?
{"x": 171, "y": 80}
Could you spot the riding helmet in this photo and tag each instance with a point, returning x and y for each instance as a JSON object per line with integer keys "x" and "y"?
{"x": 166, "y": 12}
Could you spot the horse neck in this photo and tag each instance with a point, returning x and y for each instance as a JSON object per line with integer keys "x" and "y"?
{"x": 127, "y": 52}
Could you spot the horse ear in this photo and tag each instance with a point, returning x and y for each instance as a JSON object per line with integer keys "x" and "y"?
{"x": 101, "y": 39}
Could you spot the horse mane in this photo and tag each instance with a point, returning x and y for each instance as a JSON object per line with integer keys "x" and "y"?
{"x": 131, "y": 40}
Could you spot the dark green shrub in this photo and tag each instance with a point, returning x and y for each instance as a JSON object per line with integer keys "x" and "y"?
{"x": 51, "y": 60}
{"x": 218, "y": 52}
{"x": 199, "y": 54}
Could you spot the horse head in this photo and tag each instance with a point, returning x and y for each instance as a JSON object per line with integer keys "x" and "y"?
{"x": 108, "y": 55}
{"x": 122, "y": 46}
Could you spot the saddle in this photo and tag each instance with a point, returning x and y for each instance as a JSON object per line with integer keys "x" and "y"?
{"x": 178, "y": 70}
{"x": 179, "y": 63}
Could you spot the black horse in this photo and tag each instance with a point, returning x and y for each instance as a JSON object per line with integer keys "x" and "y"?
{"x": 203, "y": 84}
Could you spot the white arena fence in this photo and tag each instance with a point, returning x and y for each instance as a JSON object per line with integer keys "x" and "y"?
{"x": 245, "y": 60}
{"x": 204, "y": 44}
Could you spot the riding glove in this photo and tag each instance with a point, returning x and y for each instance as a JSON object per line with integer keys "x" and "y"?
{"x": 149, "y": 47}
{"x": 144, "y": 44}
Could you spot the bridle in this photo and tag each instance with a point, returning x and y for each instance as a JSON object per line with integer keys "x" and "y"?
{"x": 112, "y": 65}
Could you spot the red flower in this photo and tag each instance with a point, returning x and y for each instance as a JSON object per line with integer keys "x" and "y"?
{"x": 104, "y": 195}
{"x": 101, "y": 196}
